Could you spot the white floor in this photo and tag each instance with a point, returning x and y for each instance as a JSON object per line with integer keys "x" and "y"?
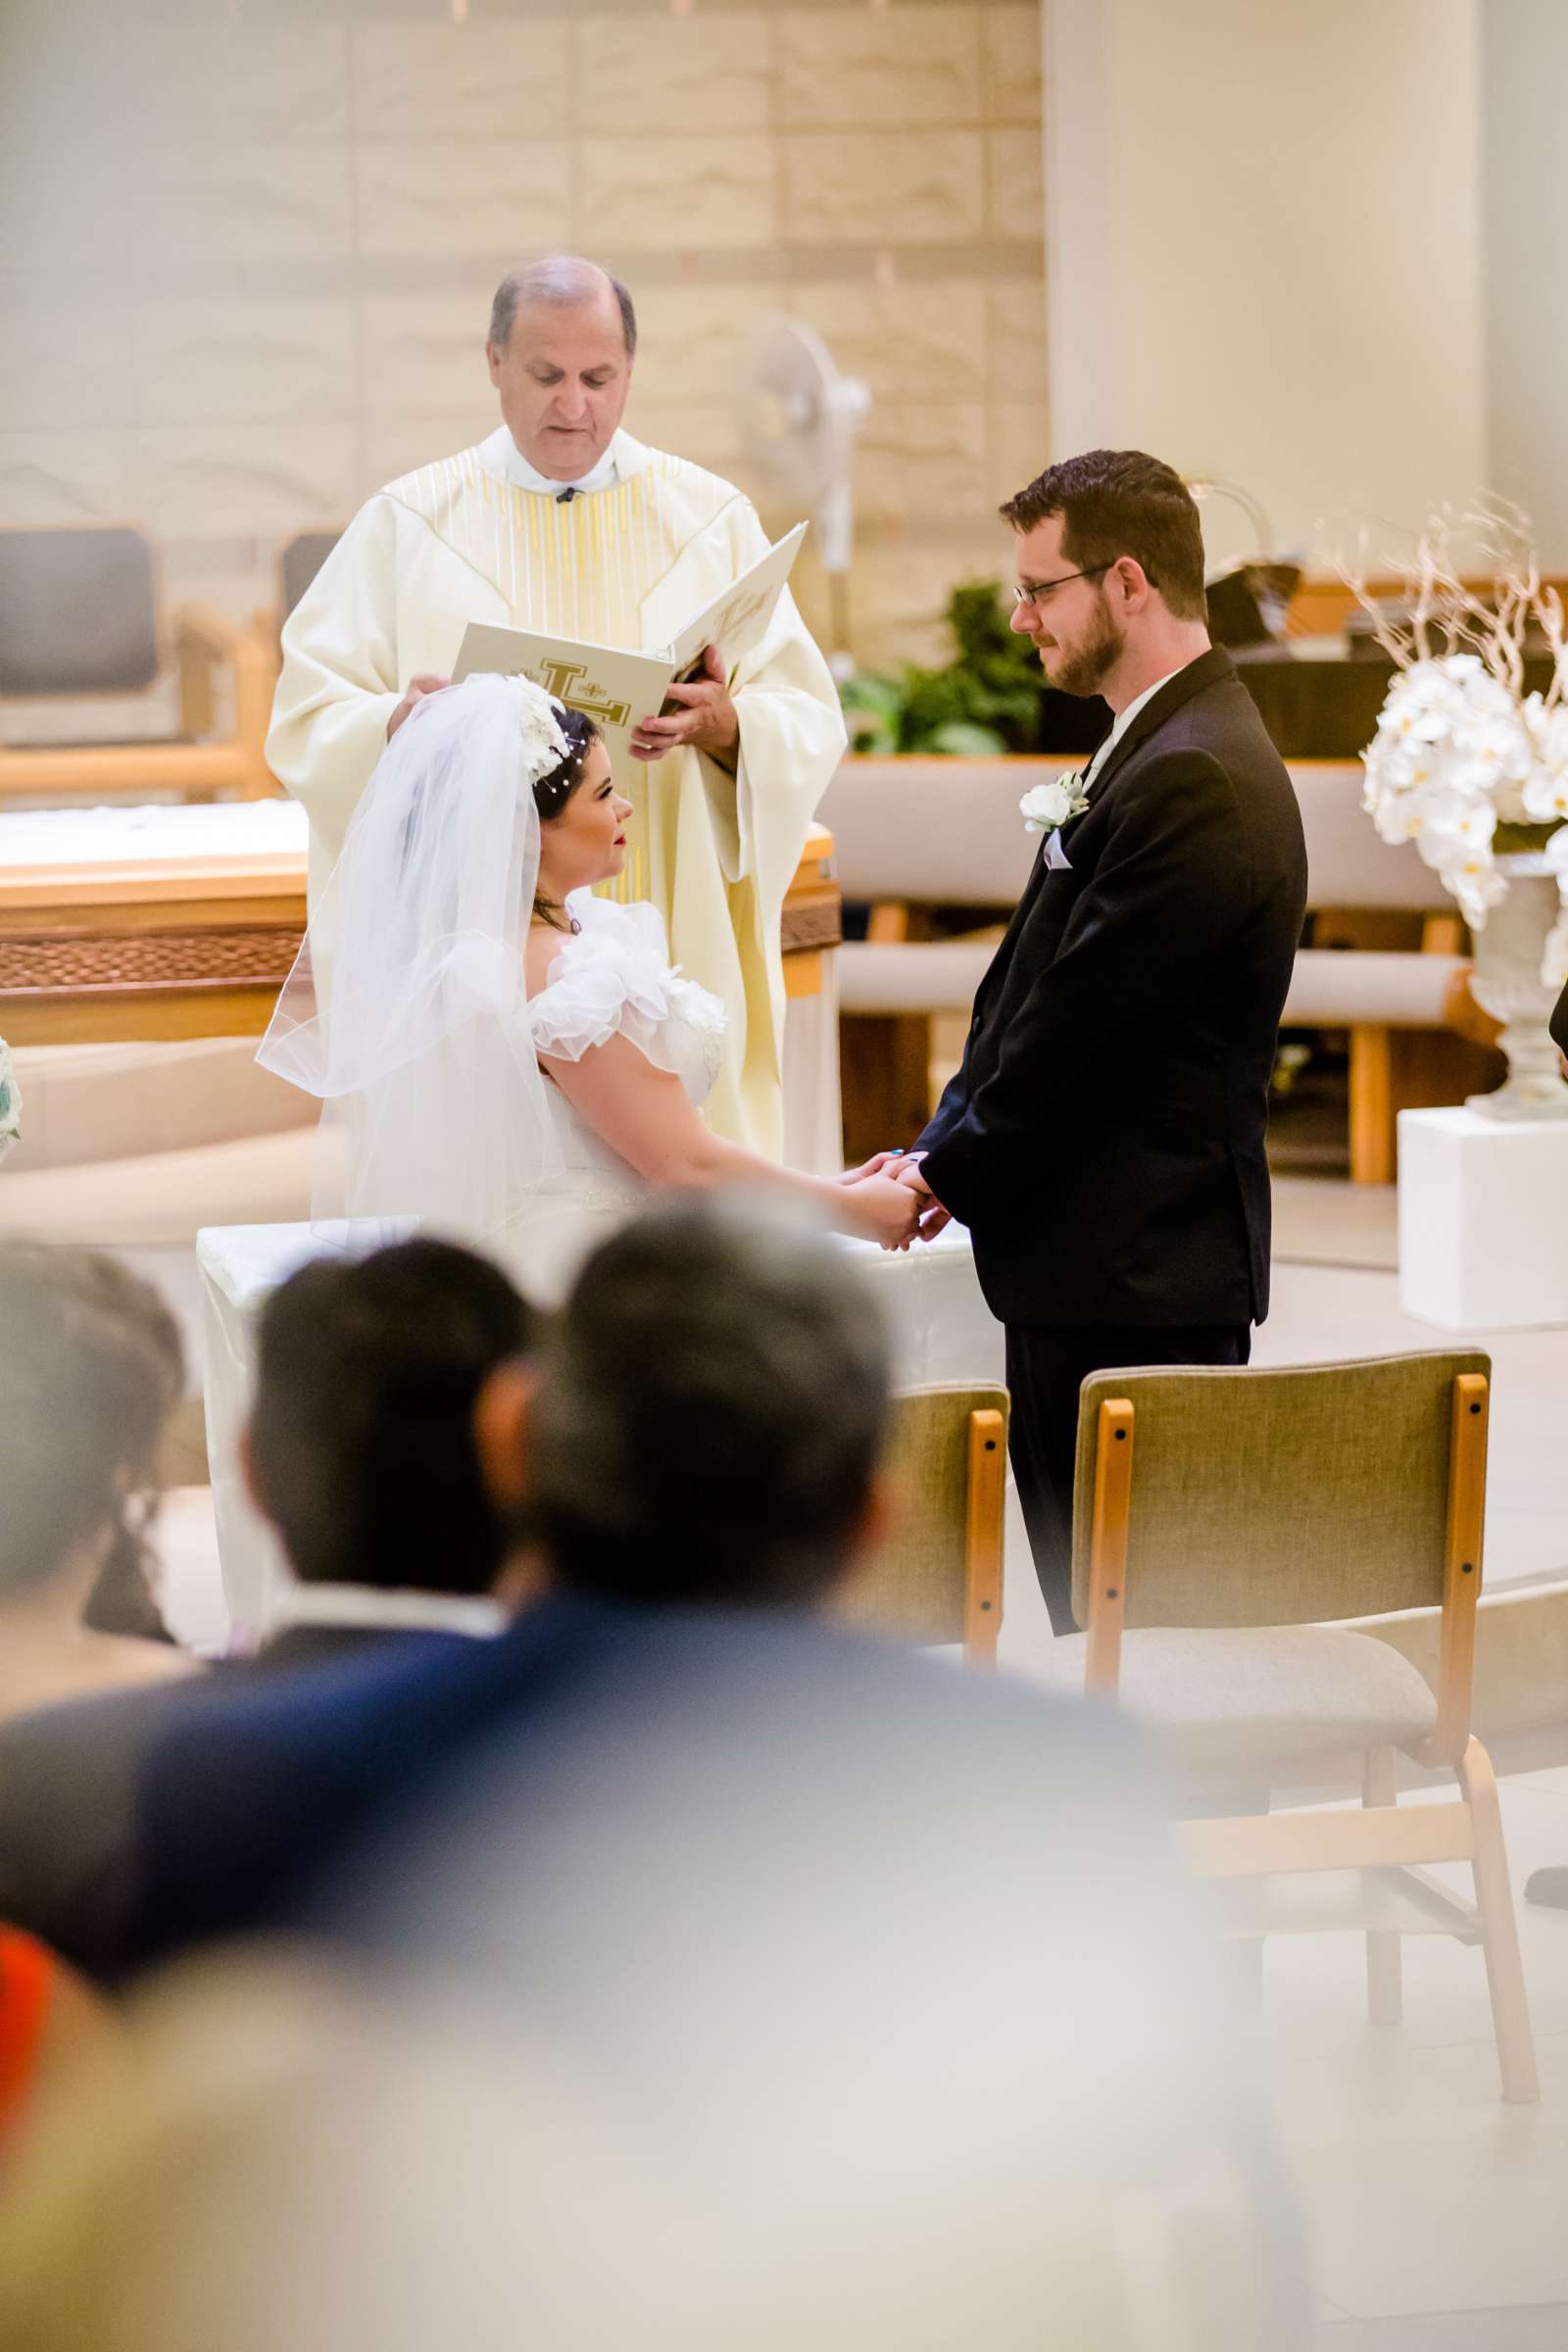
{"x": 1438, "y": 2216}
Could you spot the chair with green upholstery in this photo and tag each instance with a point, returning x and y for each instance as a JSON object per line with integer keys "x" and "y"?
{"x": 1231, "y": 1527}
{"x": 938, "y": 1576}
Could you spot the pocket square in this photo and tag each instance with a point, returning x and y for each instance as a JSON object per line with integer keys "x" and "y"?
{"x": 1057, "y": 858}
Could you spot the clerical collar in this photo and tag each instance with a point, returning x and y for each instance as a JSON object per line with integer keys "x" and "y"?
{"x": 510, "y": 460}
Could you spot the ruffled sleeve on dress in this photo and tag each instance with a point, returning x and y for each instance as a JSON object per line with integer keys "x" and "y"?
{"x": 613, "y": 977}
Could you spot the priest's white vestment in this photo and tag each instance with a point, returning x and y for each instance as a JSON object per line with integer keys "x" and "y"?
{"x": 473, "y": 538}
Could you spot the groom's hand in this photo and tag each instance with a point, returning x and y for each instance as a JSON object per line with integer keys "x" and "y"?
{"x": 704, "y": 722}
{"x": 932, "y": 1216}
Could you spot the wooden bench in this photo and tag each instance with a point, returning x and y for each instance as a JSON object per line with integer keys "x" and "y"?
{"x": 914, "y": 833}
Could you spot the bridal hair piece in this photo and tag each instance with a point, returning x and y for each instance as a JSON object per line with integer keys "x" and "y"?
{"x": 406, "y": 1009}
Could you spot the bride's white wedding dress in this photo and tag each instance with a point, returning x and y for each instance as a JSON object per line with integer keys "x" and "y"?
{"x": 613, "y": 977}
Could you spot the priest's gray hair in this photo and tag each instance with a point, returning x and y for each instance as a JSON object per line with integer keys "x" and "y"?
{"x": 561, "y": 277}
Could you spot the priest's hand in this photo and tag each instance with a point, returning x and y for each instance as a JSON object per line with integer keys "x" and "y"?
{"x": 418, "y": 687}
{"x": 705, "y": 723}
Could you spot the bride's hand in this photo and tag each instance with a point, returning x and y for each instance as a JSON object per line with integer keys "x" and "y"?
{"x": 878, "y": 1162}
{"x": 884, "y": 1211}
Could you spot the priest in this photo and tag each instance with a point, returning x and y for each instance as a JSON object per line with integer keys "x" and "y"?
{"x": 561, "y": 522}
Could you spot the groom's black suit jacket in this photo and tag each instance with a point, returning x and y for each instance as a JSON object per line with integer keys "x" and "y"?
{"x": 1103, "y": 1138}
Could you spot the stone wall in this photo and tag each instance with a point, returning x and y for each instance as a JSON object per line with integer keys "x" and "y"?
{"x": 249, "y": 252}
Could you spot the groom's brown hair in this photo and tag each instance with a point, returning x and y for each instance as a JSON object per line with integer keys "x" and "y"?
{"x": 1119, "y": 502}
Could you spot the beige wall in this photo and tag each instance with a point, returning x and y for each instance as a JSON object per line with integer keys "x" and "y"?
{"x": 1264, "y": 248}
{"x": 247, "y": 264}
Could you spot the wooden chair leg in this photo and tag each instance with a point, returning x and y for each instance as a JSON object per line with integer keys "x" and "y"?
{"x": 1500, "y": 1931}
{"x": 1385, "y": 1984}
{"x": 1371, "y": 1105}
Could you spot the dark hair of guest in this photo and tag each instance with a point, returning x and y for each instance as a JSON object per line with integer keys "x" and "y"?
{"x": 360, "y": 1435}
{"x": 711, "y": 1406}
{"x": 1118, "y": 501}
{"x": 91, "y": 1369}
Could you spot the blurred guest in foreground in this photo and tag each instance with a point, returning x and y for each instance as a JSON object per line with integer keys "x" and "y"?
{"x": 50, "y": 2021}
{"x": 840, "y": 1924}
{"x": 285, "y": 2160}
{"x": 91, "y": 1369}
{"x": 360, "y": 1451}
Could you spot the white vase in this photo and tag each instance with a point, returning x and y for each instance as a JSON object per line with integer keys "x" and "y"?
{"x": 1507, "y": 981}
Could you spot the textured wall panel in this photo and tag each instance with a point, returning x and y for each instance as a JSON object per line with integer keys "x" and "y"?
{"x": 694, "y": 75}
{"x": 424, "y": 352}
{"x": 478, "y": 81}
{"x": 1015, "y": 184}
{"x": 1019, "y": 445}
{"x": 1011, "y": 63}
{"x": 689, "y": 346}
{"x": 908, "y": 342}
{"x": 861, "y": 68}
{"x": 219, "y": 362}
{"x": 253, "y": 83}
{"x": 66, "y": 478}
{"x": 922, "y": 463}
{"x": 209, "y": 209}
{"x": 675, "y": 193}
{"x": 452, "y": 198}
{"x": 860, "y": 187}
{"x": 66, "y": 363}
{"x": 1015, "y": 340}
{"x": 224, "y": 478}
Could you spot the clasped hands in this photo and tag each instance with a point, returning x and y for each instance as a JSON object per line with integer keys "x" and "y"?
{"x": 917, "y": 1216}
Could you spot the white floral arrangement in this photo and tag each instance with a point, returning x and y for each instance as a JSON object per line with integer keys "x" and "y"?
{"x": 10, "y": 1101}
{"x": 1047, "y": 807}
{"x": 1465, "y": 764}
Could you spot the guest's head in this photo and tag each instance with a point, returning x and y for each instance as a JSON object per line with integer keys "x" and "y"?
{"x": 360, "y": 1446}
{"x": 582, "y": 819}
{"x": 562, "y": 337}
{"x": 1109, "y": 545}
{"x": 707, "y": 1416}
{"x": 91, "y": 1367}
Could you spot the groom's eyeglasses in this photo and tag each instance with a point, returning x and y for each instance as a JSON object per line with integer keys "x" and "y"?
{"x": 1037, "y": 592}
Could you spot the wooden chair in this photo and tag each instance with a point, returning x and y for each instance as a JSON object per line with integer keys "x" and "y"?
{"x": 1237, "y": 1520}
{"x": 79, "y": 617}
{"x": 938, "y": 1579}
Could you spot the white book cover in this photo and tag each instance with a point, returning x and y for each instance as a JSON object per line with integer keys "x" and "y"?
{"x": 618, "y": 687}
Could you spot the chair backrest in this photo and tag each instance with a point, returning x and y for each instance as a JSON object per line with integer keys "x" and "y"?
{"x": 938, "y": 832}
{"x": 918, "y": 1587}
{"x": 1347, "y": 864}
{"x": 1278, "y": 1497}
{"x": 301, "y": 561}
{"x": 78, "y": 611}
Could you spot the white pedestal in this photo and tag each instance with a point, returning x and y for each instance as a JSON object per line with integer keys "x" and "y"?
{"x": 1483, "y": 1220}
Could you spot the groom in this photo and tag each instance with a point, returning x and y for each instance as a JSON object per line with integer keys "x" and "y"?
{"x": 1103, "y": 1138}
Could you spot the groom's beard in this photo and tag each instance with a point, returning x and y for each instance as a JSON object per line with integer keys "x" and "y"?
{"x": 1082, "y": 671}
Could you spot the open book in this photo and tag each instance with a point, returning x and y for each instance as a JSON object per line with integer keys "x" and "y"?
{"x": 616, "y": 687}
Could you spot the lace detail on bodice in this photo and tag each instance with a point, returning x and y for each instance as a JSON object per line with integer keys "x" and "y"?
{"x": 613, "y": 977}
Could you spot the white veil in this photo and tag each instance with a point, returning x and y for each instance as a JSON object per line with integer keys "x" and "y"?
{"x": 405, "y": 1009}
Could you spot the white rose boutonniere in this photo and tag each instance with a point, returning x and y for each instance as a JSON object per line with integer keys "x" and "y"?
{"x": 10, "y": 1101}
{"x": 1050, "y": 806}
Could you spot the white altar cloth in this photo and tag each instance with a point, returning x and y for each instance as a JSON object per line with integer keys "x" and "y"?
{"x": 132, "y": 835}
{"x": 941, "y": 1332}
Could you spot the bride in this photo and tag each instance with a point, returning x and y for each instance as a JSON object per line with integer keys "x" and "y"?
{"x": 504, "y": 1057}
